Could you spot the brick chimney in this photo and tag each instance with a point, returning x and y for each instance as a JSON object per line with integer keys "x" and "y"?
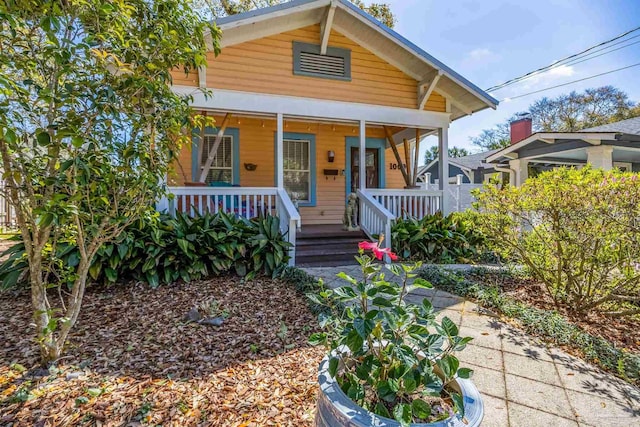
{"x": 521, "y": 128}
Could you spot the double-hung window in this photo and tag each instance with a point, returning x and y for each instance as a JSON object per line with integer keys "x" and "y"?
{"x": 297, "y": 169}
{"x": 221, "y": 170}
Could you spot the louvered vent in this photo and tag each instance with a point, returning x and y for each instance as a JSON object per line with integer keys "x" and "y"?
{"x": 330, "y": 66}
{"x": 307, "y": 61}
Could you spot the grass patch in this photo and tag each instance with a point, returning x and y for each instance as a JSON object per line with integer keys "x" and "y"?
{"x": 547, "y": 324}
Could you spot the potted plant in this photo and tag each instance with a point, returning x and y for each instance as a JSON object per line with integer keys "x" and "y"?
{"x": 389, "y": 362}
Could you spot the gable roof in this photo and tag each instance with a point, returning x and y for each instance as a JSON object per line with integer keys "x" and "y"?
{"x": 610, "y": 131}
{"x": 629, "y": 126}
{"x": 468, "y": 163}
{"x": 466, "y": 98}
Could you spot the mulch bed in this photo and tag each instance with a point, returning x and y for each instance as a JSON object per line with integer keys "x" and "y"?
{"x": 132, "y": 360}
{"x": 526, "y": 290}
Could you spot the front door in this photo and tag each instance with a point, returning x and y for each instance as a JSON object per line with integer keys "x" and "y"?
{"x": 372, "y": 163}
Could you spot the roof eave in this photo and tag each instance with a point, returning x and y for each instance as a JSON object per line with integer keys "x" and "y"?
{"x": 430, "y": 60}
{"x": 553, "y": 136}
{"x": 258, "y": 15}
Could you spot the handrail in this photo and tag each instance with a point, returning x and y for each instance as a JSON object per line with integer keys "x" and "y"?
{"x": 289, "y": 221}
{"x": 407, "y": 192}
{"x": 375, "y": 218}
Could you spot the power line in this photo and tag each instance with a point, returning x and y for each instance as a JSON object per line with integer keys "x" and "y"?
{"x": 580, "y": 60}
{"x": 561, "y": 61}
{"x": 572, "y": 82}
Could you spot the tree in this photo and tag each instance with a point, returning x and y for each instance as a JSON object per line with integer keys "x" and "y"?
{"x": 432, "y": 153}
{"x": 88, "y": 128}
{"x": 494, "y": 138}
{"x": 217, "y": 8}
{"x": 567, "y": 113}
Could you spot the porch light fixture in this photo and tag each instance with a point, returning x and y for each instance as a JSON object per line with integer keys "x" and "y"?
{"x": 331, "y": 156}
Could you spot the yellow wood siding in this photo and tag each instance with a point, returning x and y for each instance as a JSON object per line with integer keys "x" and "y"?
{"x": 181, "y": 78}
{"x": 266, "y": 66}
{"x": 257, "y": 138}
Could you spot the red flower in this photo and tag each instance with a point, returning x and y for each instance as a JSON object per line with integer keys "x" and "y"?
{"x": 377, "y": 250}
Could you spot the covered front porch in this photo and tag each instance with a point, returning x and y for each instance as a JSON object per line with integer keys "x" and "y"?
{"x": 302, "y": 168}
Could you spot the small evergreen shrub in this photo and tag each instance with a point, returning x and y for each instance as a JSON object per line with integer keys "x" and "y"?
{"x": 439, "y": 239}
{"x": 160, "y": 249}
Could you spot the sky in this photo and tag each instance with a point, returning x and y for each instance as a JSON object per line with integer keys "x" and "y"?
{"x": 492, "y": 41}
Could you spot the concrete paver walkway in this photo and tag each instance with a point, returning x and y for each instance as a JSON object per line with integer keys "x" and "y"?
{"x": 524, "y": 382}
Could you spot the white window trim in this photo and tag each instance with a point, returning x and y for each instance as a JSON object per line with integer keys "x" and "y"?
{"x": 308, "y": 170}
{"x": 231, "y": 159}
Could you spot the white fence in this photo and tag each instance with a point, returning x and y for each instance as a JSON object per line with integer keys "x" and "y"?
{"x": 460, "y": 194}
{"x": 8, "y": 219}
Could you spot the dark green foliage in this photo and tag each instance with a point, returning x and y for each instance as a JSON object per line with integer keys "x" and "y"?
{"x": 438, "y": 239}
{"x": 383, "y": 371}
{"x": 548, "y": 324}
{"x": 160, "y": 249}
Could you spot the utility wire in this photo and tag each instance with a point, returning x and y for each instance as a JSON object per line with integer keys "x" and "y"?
{"x": 580, "y": 60}
{"x": 572, "y": 82}
{"x": 563, "y": 60}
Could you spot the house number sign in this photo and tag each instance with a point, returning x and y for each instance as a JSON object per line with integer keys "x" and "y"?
{"x": 395, "y": 166}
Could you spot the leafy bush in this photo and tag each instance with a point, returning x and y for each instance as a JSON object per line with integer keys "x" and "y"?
{"x": 160, "y": 249}
{"x": 384, "y": 352}
{"x": 438, "y": 239}
{"x": 548, "y": 324}
{"x": 577, "y": 232}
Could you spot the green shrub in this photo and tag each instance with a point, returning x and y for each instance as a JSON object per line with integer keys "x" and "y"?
{"x": 438, "y": 239}
{"x": 577, "y": 232}
{"x": 548, "y": 324}
{"x": 159, "y": 249}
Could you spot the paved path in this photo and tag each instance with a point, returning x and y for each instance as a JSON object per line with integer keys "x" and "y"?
{"x": 525, "y": 383}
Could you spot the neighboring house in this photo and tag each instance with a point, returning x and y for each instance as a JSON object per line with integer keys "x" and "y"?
{"x": 303, "y": 94}
{"x": 614, "y": 145}
{"x": 473, "y": 168}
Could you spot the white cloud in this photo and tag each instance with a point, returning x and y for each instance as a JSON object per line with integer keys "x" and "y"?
{"x": 549, "y": 78}
{"x": 480, "y": 53}
{"x": 480, "y": 57}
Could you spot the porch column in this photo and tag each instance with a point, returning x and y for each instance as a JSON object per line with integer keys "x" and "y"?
{"x": 362, "y": 168}
{"x": 600, "y": 156}
{"x": 279, "y": 151}
{"x": 443, "y": 167}
{"x": 521, "y": 171}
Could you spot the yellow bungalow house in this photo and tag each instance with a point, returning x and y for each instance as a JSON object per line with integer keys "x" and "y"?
{"x": 303, "y": 94}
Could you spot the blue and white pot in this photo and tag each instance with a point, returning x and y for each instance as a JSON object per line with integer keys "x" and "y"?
{"x": 335, "y": 409}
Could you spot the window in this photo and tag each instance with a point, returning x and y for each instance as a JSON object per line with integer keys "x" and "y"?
{"x": 307, "y": 61}
{"x": 297, "y": 169}
{"x": 222, "y": 167}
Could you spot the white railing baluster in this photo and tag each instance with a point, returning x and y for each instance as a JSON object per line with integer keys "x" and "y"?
{"x": 407, "y": 203}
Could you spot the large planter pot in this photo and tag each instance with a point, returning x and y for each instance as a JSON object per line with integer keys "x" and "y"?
{"x": 335, "y": 409}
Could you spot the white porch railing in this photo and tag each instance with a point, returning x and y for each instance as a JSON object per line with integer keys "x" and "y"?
{"x": 8, "y": 217}
{"x": 375, "y": 219}
{"x": 408, "y": 203}
{"x": 247, "y": 202}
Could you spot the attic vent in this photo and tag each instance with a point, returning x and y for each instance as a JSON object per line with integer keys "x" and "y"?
{"x": 307, "y": 61}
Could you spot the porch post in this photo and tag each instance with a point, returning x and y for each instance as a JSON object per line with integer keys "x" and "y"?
{"x": 280, "y": 151}
{"x": 443, "y": 167}
{"x": 600, "y": 156}
{"x": 521, "y": 171}
{"x": 362, "y": 168}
